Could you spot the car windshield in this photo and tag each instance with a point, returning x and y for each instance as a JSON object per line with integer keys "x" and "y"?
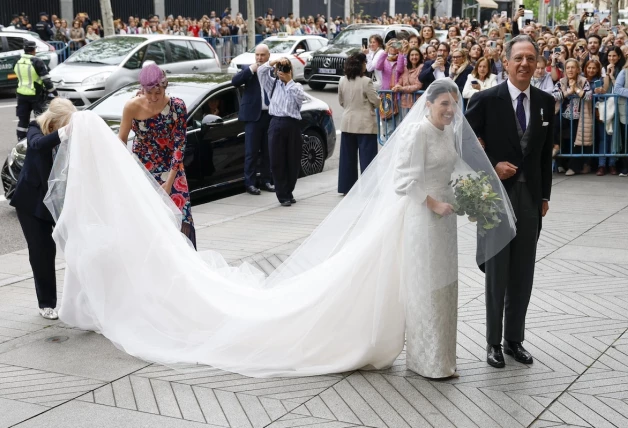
{"x": 354, "y": 36}
{"x": 110, "y": 51}
{"x": 278, "y": 46}
{"x": 111, "y": 106}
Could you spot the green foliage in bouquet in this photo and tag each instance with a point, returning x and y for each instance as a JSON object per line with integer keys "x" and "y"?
{"x": 476, "y": 198}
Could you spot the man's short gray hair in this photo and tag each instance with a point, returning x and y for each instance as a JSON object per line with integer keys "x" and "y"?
{"x": 520, "y": 39}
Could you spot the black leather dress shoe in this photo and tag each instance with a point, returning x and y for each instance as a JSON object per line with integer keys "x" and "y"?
{"x": 286, "y": 204}
{"x": 494, "y": 356}
{"x": 268, "y": 187}
{"x": 252, "y": 190}
{"x": 293, "y": 201}
{"x": 518, "y": 352}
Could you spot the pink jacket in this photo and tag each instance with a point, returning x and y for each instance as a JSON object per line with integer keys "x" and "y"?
{"x": 409, "y": 83}
{"x": 386, "y": 67}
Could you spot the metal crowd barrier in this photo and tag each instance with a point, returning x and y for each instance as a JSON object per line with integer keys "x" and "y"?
{"x": 228, "y": 47}
{"x": 391, "y": 112}
{"x": 64, "y": 50}
{"x": 613, "y": 144}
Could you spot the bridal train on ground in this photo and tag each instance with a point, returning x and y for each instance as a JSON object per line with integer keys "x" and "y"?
{"x": 379, "y": 270}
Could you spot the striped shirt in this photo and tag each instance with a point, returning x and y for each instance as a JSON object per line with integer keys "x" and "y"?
{"x": 287, "y": 99}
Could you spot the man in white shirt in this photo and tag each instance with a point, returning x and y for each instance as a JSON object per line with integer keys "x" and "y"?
{"x": 514, "y": 122}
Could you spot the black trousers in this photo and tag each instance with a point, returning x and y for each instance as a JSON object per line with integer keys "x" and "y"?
{"x": 41, "y": 254}
{"x": 285, "y": 144}
{"x": 353, "y": 146}
{"x": 26, "y": 105}
{"x": 256, "y": 149}
{"x": 510, "y": 273}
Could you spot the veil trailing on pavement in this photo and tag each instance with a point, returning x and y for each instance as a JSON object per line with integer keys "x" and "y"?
{"x": 335, "y": 305}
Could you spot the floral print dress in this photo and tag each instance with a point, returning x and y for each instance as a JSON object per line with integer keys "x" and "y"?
{"x": 159, "y": 144}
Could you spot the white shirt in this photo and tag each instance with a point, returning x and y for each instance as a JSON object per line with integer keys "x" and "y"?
{"x": 438, "y": 74}
{"x": 371, "y": 60}
{"x": 514, "y": 94}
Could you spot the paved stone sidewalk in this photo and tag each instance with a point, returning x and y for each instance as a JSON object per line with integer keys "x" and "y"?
{"x": 55, "y": 376}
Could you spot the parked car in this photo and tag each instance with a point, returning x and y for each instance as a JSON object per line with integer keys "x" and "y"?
{"x": 328, "y": 63}
{"x": 298, "y": 48}
{"x": 214, "y": 152}
{"x": 12, "y": 48}
{"x": 108, "y": 64}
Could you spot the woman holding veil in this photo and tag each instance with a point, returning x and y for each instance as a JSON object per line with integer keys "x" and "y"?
{"x": 380, "y": 269}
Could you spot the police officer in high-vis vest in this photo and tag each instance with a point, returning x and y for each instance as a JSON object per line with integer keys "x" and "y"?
{"x": 33, "y": 87}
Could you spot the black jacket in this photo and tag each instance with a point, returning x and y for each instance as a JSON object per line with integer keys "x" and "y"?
{"x": 32, "y": 185}
{"x": 426, "y": 77}
{"x": 492, "y": 118}
{"x": 251, "y": 105}
{"x": 461, "y": 80}
{"x": 44, "y": 30}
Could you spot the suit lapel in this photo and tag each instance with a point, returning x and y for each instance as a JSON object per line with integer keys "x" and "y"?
{"x": 535, "y": 118}
{"x": 509, "y": 117}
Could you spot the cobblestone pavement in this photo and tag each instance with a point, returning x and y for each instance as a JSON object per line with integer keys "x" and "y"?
{"x": 55, "y": 376}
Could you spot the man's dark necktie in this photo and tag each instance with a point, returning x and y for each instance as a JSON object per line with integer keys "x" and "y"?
{"x": 521, "y": 113}
{"x": 266, "y": 100}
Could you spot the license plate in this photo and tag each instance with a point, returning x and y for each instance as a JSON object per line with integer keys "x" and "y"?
{"x": 327, "y": 71}
{"x": 63, "y": 94}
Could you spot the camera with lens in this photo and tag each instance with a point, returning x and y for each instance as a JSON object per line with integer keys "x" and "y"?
{"x": 284, "y": 68}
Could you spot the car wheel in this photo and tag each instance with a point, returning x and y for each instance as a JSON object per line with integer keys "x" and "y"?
{"x": 312, "y": 154}
{"x": 317, "y": 86}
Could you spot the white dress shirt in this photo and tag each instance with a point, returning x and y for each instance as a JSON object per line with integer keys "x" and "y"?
{"x": 514, "y": 94}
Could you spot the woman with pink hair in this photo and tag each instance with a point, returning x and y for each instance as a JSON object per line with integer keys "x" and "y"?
{"x": 159, "y": 124}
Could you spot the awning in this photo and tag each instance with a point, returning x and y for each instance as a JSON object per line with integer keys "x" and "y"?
{"x": 487, "y": 4}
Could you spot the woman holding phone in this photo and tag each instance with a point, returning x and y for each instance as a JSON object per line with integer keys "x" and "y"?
{"x": 480, "y": 79}
{"x": 616, "y": 62}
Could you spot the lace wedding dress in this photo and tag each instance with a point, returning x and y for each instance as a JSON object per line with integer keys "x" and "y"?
{"x": 378, "y": 264}
{"x": 431, "y": 315}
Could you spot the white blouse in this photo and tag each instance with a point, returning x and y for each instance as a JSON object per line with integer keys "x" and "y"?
{"x": 468, "y": 90}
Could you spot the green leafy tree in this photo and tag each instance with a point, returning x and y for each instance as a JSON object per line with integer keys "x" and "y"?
{"x": 532, "y": 5}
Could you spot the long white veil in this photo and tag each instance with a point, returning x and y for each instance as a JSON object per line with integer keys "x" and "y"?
{"x": 336, "y": 304}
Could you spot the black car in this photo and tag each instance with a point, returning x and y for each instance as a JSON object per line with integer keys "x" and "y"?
{"x": 328, "y": 63}
{"x": 214, "y": 152}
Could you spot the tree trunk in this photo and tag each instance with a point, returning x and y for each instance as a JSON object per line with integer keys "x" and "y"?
{"x": 615, "y": 12}
{"x": 250, "y": 22}
{"x": 351, "y": 11}
{"x": 107, "y": 17}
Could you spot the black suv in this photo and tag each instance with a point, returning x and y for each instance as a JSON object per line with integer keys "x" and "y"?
{"x": 328, "y": 63}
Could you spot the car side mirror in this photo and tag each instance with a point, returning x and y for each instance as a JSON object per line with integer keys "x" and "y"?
{"x": 210, "y": 121}
{"x": 299, "y": 51}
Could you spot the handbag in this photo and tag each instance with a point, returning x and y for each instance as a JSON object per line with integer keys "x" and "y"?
{"x": 606, "y": 111}
{"x": 389, "y": 106}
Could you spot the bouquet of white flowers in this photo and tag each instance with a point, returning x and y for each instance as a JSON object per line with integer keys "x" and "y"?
{"x": 476, "y": 198}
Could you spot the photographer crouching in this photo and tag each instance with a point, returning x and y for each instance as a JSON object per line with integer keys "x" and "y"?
{"x": 284, "y": 133}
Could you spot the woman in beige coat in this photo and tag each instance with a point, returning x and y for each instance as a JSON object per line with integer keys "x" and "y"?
{"x": 359, "y": 124}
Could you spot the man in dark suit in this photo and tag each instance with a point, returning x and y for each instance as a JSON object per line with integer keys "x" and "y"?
{"x": 35, "y": 219}
{"x": 514, "y": 122}
{"x": 254, "y": 111}
{"x": 436, "y": 69}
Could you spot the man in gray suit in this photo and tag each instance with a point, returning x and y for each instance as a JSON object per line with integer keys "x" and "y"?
{"x": 514, "y": 122}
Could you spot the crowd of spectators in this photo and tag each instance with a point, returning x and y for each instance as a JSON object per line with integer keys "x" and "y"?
{"x": 574, "y": 63}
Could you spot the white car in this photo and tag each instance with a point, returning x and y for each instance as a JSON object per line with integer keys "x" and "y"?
{"x": 298, "y": 48}
{"x": 108, "y": 64}
{"x": 12, "y": 45}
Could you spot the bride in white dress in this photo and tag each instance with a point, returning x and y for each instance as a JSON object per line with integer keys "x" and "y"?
{"x": 423, "y": 171}
{"x": 381, "y": 262}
